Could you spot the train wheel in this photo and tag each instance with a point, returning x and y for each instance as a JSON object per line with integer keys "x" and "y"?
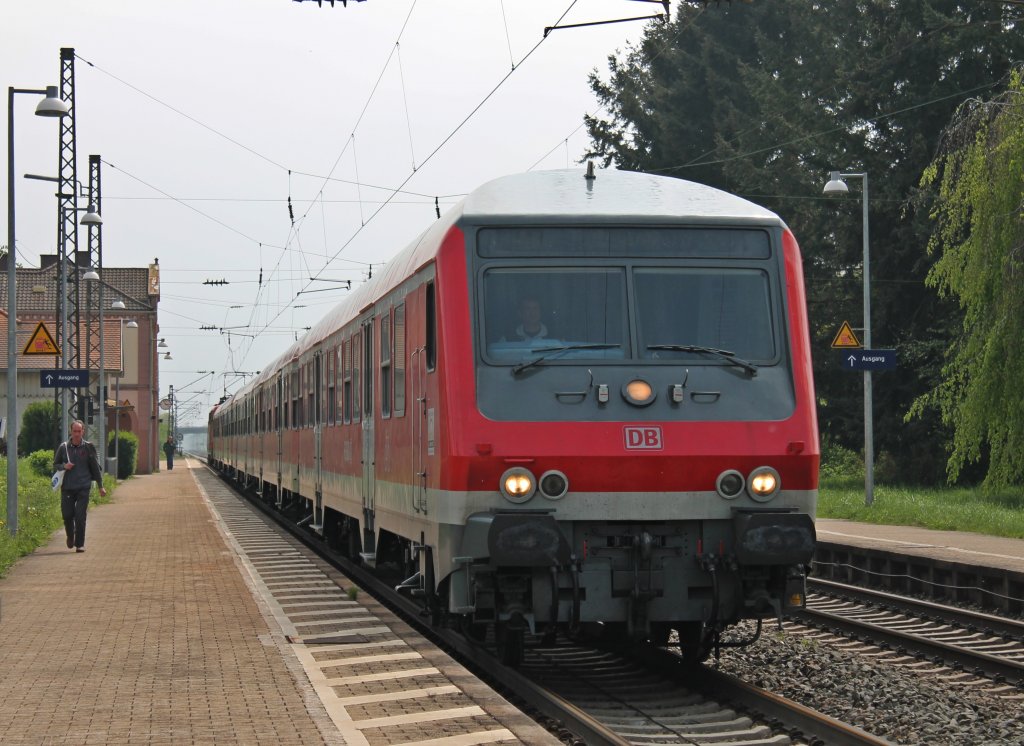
{"x": 660, "y": 632}
{"x": 511, "y": 644}
{"x": 695, "y": 642}
{"x": 473, "y": 630}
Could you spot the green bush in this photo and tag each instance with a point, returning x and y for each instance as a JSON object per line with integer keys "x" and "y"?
{"x": 127, "y": 453}
{"x": 40, "y": 462}
{"x": 838, "y": 462}
{"x": 38, "y": 425}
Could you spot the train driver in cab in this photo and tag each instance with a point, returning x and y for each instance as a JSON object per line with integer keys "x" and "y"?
{"x": 530, "y": 325}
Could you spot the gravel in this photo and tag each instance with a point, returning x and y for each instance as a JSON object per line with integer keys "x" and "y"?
{"x": 931, "y": 706}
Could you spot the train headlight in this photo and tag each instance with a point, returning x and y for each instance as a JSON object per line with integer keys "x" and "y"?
{"x": 518, "y": 484}
{"x": 730, "y": 484}
{"x": 763, "y": 483}
{"x": 553, "y": 484}
{"x": 638, "y": 392}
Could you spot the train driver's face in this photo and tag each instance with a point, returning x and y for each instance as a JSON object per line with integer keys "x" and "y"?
{"x": 529, "y": 314}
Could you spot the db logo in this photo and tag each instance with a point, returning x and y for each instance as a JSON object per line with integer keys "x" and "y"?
{"x": 643, "y": 438}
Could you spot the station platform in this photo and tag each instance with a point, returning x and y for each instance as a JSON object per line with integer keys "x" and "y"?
{"x": 950, "y": 546}
{"x": 162, "y": 633}
{"x": 958, "y": 566}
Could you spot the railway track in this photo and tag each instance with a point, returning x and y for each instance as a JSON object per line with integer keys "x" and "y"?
{"x": 982, "y": 644}
{"x": 604, "y": 696}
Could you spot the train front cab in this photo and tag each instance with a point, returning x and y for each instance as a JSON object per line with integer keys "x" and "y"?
{"x": 632, "y": 481}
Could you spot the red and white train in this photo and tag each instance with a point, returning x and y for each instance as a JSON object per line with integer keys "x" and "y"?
{"x": 578, "y": 399}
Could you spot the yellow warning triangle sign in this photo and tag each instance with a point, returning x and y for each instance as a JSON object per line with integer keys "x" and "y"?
{"x": 845, "y": 337}
{"x": 41, "y": 342}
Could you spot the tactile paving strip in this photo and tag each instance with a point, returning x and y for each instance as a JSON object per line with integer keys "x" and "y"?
{"x": 376, "y": 687}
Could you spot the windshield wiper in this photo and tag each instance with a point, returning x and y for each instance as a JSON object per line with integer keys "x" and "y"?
{"x": 517, "y": 369}
{"x": 724, "y": 354}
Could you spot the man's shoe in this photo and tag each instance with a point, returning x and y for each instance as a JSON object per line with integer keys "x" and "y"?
{"x": 71, "y": 543}
{"x": 79, "y": 549}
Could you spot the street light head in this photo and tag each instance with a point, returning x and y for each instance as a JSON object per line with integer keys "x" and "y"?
{"x": 92, "y": 217}
{"x": 118, "y": 305}
{"x": 91, "y": 275}
{"x": 52, "y": 106}
{"x": 133, "y": 324}
{"x": 168, "y": 356}
{"x": 835, "y": 184}
{"x": 162, "y": 343}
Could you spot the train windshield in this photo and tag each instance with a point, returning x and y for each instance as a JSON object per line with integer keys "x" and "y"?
{"x": 580, "y": 310}
{"x": 661, "y": 295}
{"x": 724, "y": 309}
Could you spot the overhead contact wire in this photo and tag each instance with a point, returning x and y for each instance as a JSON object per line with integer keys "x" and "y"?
{"x": 436, "y": 150}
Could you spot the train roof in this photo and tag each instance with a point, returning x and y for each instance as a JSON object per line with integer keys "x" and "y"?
{"x": 548, "y": 197}
{"x": 610, "y": 196}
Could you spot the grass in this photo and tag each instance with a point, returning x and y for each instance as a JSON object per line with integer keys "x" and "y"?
{"x": 38, "y": 513}
{"x": 943, "y": 508}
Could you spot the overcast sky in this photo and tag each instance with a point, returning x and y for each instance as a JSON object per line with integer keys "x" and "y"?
{"x": 200, "y": 108}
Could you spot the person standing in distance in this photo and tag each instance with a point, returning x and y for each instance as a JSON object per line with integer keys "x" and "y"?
{"x": 169, "y": 452}
{"x": 77, "y": 457}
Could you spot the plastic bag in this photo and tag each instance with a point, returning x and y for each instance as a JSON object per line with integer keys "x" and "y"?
{"x": 57, "y": 480}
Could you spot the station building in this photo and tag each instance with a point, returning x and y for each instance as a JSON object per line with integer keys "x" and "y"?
{"x": 130, "y": 345}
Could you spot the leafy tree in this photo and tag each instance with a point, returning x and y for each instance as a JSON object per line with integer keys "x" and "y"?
{"x": 763, "y": 100}
{"x": 38, "y": 425}
{"x": 979, "y": 237}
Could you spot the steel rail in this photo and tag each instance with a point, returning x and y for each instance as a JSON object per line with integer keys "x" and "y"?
{"x": 989, "y": 623}
{"x": 772, "y": 707}
{"x": 976, "y": 662}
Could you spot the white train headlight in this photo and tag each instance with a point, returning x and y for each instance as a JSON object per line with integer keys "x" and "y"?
{"x": 518, "y": 484}
{"x": 763, "y": 483}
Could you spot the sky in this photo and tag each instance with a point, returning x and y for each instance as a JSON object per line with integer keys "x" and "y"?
{"x": 209, "y": 115}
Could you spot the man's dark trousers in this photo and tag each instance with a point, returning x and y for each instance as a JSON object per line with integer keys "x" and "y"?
{"x": 73, "y": 507}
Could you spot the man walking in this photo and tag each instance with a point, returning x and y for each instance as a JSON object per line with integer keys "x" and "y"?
{"x": 169, "y": 448}
{"x": 77, "y": 457}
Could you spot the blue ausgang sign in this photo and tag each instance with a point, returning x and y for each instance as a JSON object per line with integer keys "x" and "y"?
{"x": 74, "y": 378}
{"x": 869, "y": 360}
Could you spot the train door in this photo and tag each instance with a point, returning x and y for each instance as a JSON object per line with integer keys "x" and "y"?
{"x": 279, "y": 425}
{"x": 369, "y": 481}
{"x": 423, "y": 360}
{"x": 318, "y": 418}
{"x": 260, "y": 428}
{"x": 247, "y": 440}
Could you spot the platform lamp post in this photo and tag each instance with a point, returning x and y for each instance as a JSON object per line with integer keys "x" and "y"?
{"x": 51, "y": 106}
{"x": 90, "y": 218}
{"x": 836, "y": 186}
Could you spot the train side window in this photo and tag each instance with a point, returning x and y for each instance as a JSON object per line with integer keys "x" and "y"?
{"x": 317, "y": 394}
{"x": 297, "y": 398}
{"x": 285, "y": 393}
{"x": 339, "y": 372}
{"x": 311, "y": 410}
{"x": 430, "y": 315}
{"x": 398, "y": 360}
{"x": 346, "y": 385}
{"x": 368, "y": 369}
{"x": 357, "y": 355}
{"x": 385, "y": 364}
{"x": 277, "y": 404}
